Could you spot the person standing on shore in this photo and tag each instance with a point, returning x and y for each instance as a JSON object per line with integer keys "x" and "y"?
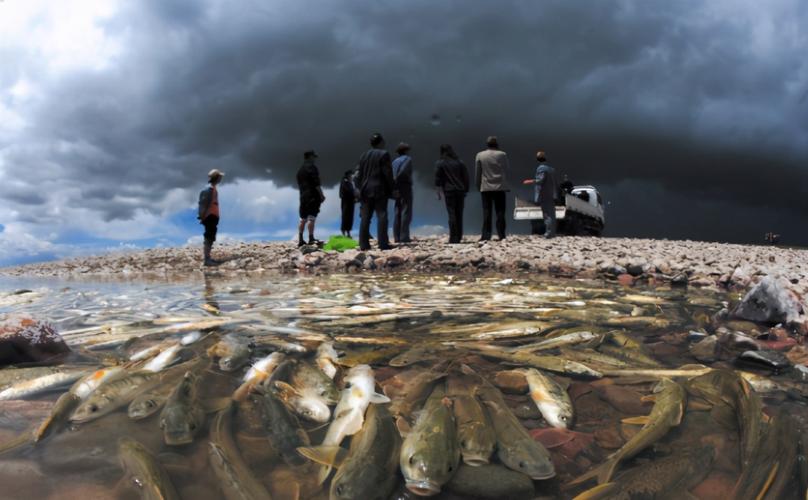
{"x": 208, "y": 214}
{"x": 347, "y": 196}
{"x": 402, "y": 192}
{"x": 491, "y": 170}
{"x": 374, "y": 182}
{"x": 452, "y": 180}
{"x": 545, "y": 190}
{"x": 311, "y": 197}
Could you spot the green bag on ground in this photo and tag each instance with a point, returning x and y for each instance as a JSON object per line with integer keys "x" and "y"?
{"x": 340, "y": 243}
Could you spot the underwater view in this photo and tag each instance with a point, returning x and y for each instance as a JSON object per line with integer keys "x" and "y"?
{"x": 396, "y": 386}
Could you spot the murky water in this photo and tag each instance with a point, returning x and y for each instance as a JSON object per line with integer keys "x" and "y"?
{"x": 457, "y": 323}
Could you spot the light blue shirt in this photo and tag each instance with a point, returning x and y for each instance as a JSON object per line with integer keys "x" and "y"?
{"x": 402, "y": 171}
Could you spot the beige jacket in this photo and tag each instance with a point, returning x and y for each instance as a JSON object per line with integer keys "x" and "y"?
{"x": 491, "y": 168}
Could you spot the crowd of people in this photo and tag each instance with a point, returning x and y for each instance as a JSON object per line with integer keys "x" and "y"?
{"x": 377, "y": 179}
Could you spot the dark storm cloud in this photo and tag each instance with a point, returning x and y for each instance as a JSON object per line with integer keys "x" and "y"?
{"x": 690, "y": 101}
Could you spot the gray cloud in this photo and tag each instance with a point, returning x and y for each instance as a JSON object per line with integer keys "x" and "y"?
{"x": 702, "y": 105}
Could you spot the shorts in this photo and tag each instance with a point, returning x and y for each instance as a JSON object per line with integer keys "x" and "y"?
{"x": 309, "y": 209}
{"x": 211, "y": 222}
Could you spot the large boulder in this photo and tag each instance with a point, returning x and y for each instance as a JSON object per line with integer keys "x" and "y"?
{"x": 26, "y": 340}
{"x": 770, "y": 301}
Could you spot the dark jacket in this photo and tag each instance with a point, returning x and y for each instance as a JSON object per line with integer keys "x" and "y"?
{"x": 451, "y": 175}
{"x": 205, "y": 199}
{"x": 402, "y": 173}
{"x": 374, "y": 175}
{"x": 308, "y": 181}
{"x": 545, "y": 187}
{"x": 346, "y": 190}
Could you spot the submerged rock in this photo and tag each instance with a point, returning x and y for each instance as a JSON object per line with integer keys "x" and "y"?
{"x": 769, "y": 360}
{"x": 26, "y": 340}
{"x": 705, "y": 351}
{"x": 770, "y": 301}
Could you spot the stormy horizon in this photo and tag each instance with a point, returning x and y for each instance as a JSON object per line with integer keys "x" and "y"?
{"x": 691, "y": 119}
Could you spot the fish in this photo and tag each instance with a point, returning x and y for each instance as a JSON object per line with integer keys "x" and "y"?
{"x": 368, "y": 356}
{"x": 149, "y": 403}
{"x": 285, "y": 345}
{"x": 515, "y": 448}
{"x": 430, "y": 454}
{"x": 552, "y": 400}
{"x": 561, "y": 340}
{"x": 643, "y": 299}
{"x": 70, "y": 400}
{"x": 593, "y": 357}
{"x": 349, "y": 414}
{"x": 147, "y": 473}
{"x": 638, "y": 321}
{"x": 114, "y": 394}
{"x": 260, "y": 371}
{"x": 684, "y": 371}
{"x": 771, "y": 473}
{"x": 550, "y": 363}
{"x": 490, "y": 481}
{"x": 283, "y": 429}
{"x": 416, "y": 388}
{"x": 166, "y": 357}
{"x": 628, "y": 348}
{"x": 147, "y": 352}
{"x": 233, "y": 352}
{"x": 309, "y": 380}
{"x": 59, "y": 415}
{"x": 10, "y": 376}
{"x": 326, "y": 359}
{"x": 235, "y": 478}
{"x": 49, "y": 380}
{"x": 475, "y": 433}
{"x": 190, "y": 338}
{"x": 368, "y": 469}
{"x": 306, "y": 403}
{"x": 670, "y": 399}
{"x": 667, "y": 477}
{"x": 413, "y": 355}
{"x": 182, "y": 416}
{"x": 728, "y": 388}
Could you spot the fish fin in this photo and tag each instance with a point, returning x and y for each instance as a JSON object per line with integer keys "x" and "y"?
{"x": 325, "y": 455}
{"x": 379, "y": 398}
{"x": 403, "y": 426}
{"x": 597, "y": 492}
{"x": 14, "y": 443}
{"x": 642, "y": 420}
{"x": 650, "y": 398}
{"x": 769, "y": 481}
{"x": 214, "y": 405}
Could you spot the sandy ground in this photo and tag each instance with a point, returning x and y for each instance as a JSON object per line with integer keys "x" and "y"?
{"x": 624, "y": 259}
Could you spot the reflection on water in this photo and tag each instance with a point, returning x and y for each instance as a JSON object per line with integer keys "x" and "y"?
{"x": 602, "y": 347}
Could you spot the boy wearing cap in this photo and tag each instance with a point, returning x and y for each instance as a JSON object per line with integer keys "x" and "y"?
{"x": 311, "y": 197}
{"x": 209, "y": 213}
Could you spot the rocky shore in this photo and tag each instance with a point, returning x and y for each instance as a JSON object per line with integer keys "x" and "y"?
{"x": 627, "y": 260}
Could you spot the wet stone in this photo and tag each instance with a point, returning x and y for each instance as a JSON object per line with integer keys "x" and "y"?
{"x": 511, "y": 381}
{"x": 26, "y": 340}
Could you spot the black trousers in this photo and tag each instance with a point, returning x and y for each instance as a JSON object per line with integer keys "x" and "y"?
{"x": 497, "y": 199}
{"x": 347, "y": 216}
{"x": 211, "y": 224}
{"x": 455, "y": 200}
{"x": 369, "y": 206}
{"x": 402, "y": 217}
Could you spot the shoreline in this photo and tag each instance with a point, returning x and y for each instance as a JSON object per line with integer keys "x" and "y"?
{"x": 627, "y": 260}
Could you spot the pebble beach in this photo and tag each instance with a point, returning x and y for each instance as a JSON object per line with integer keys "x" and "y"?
{"x": 630, "y": 261}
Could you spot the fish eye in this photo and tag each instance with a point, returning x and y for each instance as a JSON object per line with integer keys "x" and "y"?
{"x": 411, "y": 460}
{"x": 522, "y": 465}
{"x": 339, "y": 490}
{"x": 193, "y": 426}
{"x": 463, "y": 443}
{"x": 93, "y": 408}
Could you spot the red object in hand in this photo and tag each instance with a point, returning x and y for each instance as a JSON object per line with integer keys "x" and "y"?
{"x": 527, "y": 181}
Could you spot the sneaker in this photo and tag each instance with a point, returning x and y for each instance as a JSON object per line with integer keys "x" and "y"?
{"x": 210, "y": 263}
{"x": 301, "y": 242}
{"x": 315, "y": 241}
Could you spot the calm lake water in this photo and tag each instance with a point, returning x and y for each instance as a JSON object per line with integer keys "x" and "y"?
{"x": 455, "y": 321}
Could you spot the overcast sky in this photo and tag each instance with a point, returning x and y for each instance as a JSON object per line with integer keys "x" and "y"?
{"x": 691, "y": 117}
